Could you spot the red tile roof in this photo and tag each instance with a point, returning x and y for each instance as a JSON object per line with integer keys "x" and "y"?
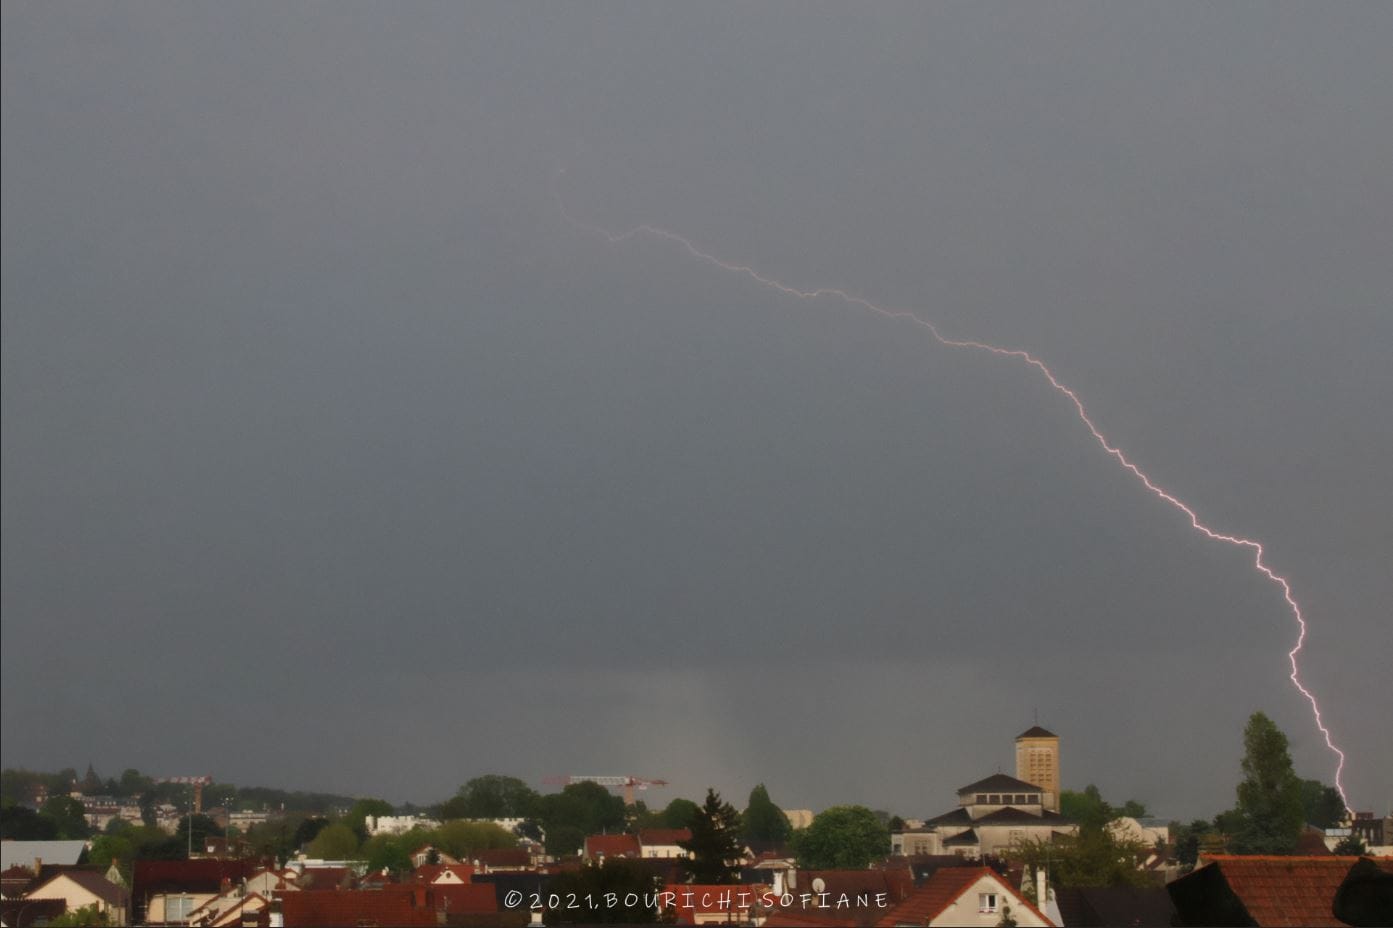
{"x": 944, "y": 888}
{"x": 1287, "y": 891}
{"x": 693, "y": 899}
{"x": 331, "y": 908}
{"x": 471, "y": 898}
{"x": 795, "y": 919}
{"x": 189, "y": 876}
{"x": 897, "y": 884}
{"x": 611, "y": 846}
{"x": 649, "y": 836}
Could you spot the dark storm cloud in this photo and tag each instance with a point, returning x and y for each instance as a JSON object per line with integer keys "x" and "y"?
{"x": 319, "y": 418}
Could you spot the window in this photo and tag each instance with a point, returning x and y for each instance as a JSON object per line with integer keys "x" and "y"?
{"x": 996, "y": 799}
{"x": 981, "y": 799}
{"x": 986, "y": 902}
{"x": 177, "y": 908}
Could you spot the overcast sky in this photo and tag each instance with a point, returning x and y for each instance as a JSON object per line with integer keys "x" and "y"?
{"x": 334, "y": 457}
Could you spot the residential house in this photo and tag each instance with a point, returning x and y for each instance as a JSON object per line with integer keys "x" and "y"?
{"x": 664, "y": 842}
{"x": 599, "y": 847}
{"x": 244, "y": 900}
{"x": 166, "y": 892}
{"x": 1374, "y": 832}
{"x": 965, "y": 896}
{"x": 244, "y": 820}
{"x": 397, "y": 824}
{"x": 81, "y": 888}
{"x": 100, "y": 811}
{"x": 1264, "y": 890}
{"x": 423, "y": 854}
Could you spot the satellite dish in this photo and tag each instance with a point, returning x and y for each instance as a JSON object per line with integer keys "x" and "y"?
{"x": 819, "y": 885}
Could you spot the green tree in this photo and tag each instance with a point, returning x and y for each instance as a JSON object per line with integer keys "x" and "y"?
{"x": 85, "y": 916}
{"x": 1132, "y": 809}
{"x": 133, "y": 783}
{"x": 306, "y": 830}
{"x": 625, "y": 880}
{"x": 358, "y": 814}
{"x": 679, "y": 813}
{"x": 564, "y": 840}
{"x": 492, "y": 796}
{"x": 715, "y": 842}
{"x": 587, "y": 808}
{"x": 22, "y": 824}
{"x": 203, "y": 829}
{"x": 461, "y": 838}
{"x": 1321, "y": 805}
{"x": 766, "y": 826}
{"x": 1188, "y": 839}
{"x": 68, "y": 816}
{"x": 109, "y": 849}
{"x": 393, "y": 852}
{"x": 842, "y": 837}
{"x": 19, "y": 785}
{"x": 1088, "y": 808}
{"x": 1270, "y": 813}
{"x": 336, "y": 842}
{"x": 1095, "y": 856}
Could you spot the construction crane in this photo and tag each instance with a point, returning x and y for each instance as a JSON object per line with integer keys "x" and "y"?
{"x": 629, "y": 784}
{"x": 197, "y": 783}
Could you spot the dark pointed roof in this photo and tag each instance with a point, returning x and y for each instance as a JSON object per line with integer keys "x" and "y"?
{"x": 1011, "y": 815}
{"x": 1035, "y": 731}
{"x": 999, "y": 783}
{"x": 964, "y": 838}
{"x": 958, "y": 816}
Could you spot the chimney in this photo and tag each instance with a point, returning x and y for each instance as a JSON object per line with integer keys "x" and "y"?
{"x": 38, "y": 865}
{"x": 1041, "y": 890}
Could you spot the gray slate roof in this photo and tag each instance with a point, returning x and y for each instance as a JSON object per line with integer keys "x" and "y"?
{"x": 50, "y": 852}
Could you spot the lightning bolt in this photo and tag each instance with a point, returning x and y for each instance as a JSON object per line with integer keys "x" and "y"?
{"x": 1249, "y": 544}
